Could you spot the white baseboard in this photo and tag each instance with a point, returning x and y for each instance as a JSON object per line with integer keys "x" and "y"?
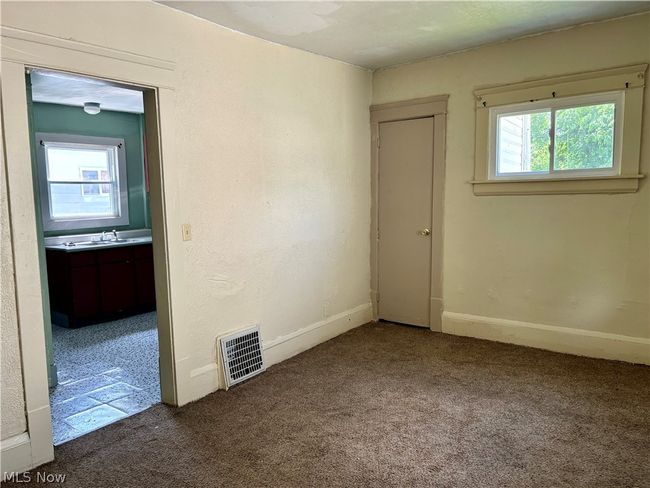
{"x": 15, "y": 454}
{"x": 209, "y": 378}
{"x": 284, "y": 347}
{"x": 30, "y": 449}
{"x": 559, "y": 339}
{"x": 203, "y": 381}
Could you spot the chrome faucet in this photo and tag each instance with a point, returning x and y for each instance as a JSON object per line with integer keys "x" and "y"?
{"x": 105, "y": 237}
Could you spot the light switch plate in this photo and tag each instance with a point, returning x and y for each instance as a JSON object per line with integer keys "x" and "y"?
{"x": 187, "y": 232}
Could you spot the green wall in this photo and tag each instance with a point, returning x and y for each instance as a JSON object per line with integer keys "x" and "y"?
{"x": 62, "y": 119}
{"x": 52, "y": 377}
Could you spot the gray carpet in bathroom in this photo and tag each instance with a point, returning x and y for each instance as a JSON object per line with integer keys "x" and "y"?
{"x": 106, "y": 372}
{"x": 389, "y": 405}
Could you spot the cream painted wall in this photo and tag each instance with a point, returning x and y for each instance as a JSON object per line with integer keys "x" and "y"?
{"x": 270, "y": 166}
{"x": 12, "y": 402}
{"x": 573, "y": 261}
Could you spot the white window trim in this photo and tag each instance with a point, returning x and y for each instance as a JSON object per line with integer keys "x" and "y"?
{"x": 617, "y": 98}
{"x": 630, "y": 80}
{"x": 52, "y": 224}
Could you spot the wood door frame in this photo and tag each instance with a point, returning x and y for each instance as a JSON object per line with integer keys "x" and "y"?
{"x": 435, "y": 107}
{"x": 22, "y": 50}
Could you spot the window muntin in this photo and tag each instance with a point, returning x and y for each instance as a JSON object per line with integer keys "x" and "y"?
{"x": 556, "y": 138}
{"x": 95, "y": 175}
{"x": 83, "y": 181}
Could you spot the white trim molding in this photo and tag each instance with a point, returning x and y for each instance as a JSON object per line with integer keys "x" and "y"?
{"x": 46, "y": 51}
{"x": 30, "y": 449}
{"x": 15, "y": 455}
{"x": 209, "y": 378}
{"x": 284, "y": 347}
{"x": 550, "y": 337}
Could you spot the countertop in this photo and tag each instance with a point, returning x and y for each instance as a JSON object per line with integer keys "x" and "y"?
{"x": 87, "y": 242}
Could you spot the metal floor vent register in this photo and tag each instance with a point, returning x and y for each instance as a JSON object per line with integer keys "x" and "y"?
{"x": 241, "y": 353}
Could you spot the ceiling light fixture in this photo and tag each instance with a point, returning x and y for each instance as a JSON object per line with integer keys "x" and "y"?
{"x": 91, "y": 108}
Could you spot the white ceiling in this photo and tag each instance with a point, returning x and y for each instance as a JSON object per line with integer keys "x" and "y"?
{"x": 378, "y": 34}
{"x": 66, "y": 89}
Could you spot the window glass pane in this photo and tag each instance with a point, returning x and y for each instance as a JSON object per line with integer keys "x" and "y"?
{"x": 77, "y": 164}
{"x": 81, "y": 200}
{"x": 584, "y": 137}
{"x": 523, "y": 143}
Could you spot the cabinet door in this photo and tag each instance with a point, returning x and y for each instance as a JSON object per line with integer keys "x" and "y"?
{"x": 83, "y": 291}
{"x": 58, "y": 281}
{"x": 144, "y": 277}
{"x": 146, "y": 288}
{"x": 117, "y": 286}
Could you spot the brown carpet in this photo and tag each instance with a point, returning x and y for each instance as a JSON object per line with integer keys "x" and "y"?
{"x": 389, "y": 405}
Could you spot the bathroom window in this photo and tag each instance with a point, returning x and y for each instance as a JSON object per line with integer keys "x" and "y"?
{"x": 82, "y": 181}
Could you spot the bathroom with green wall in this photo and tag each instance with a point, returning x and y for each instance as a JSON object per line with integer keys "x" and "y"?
{"x": 63, "y": 119}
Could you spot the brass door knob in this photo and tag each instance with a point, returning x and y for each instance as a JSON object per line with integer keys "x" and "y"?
{"x": 424, "y": 232}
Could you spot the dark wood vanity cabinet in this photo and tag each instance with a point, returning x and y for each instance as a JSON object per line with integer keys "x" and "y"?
{"x": 97, "y": 285}
{"x": 144, "y": 278}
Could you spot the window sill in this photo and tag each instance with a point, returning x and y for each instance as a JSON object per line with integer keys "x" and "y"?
{"x": 558, "y": 186}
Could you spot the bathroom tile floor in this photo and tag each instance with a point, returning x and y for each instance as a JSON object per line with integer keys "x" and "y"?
{"x": 106, "y": 372}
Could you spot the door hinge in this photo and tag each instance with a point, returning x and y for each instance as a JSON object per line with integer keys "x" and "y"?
{"x": 378, "y": 142}
{"x": 377, "y": 297}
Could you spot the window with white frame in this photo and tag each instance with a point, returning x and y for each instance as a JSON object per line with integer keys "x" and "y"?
{"x": 557, "y": 138}
{"x": 575, "y": 133}
{"x": 82, "y": 181}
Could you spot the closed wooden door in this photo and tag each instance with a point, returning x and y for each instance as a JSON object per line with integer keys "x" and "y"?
{"x": 405, "y": 204}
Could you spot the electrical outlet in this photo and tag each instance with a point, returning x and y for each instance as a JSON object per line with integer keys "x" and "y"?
{"x": 187, "y": 232}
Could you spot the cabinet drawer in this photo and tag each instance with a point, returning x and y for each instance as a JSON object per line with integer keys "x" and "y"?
{"x": 115, "y": 255}
{"x": 83, "y": 258}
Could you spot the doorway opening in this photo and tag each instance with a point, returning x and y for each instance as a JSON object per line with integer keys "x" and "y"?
{"x": 93, "y": 205}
